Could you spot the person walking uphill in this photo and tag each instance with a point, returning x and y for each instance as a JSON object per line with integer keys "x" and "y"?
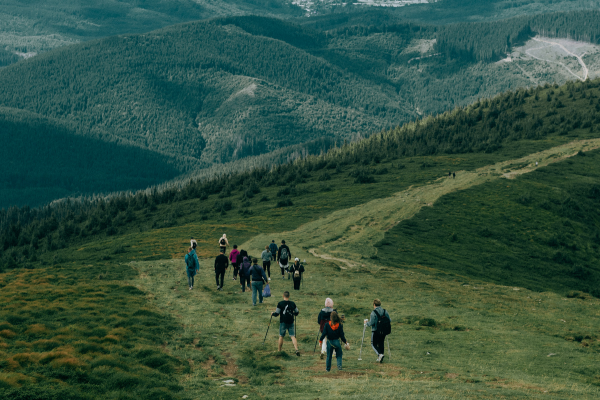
{"x": 245, "y": 274}
{"x": 223, "y": 243}
{"x": 273, "y": 248}
{"x": 221, "y": 264}
{"x": 324, "y": 318}
{"x": 287, "y": 310}
{"x": 283, "y": 256}
{"x": 380, "y": 324}
{"x": 192, "y": 266}
{"x": 235, "y": 261}
{"x": 297, "y": 270}
{"x": 334, "y": 332}
{"x": 258, "y": 280}
{"x": 266, "y": 259}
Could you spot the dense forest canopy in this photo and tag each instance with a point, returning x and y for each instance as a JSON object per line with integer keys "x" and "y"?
{"x": 212, "y": 92}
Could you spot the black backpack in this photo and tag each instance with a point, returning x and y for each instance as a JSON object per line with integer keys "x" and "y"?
{"x": 284, "y": 254}
{"x": 384, "y": 325}
{"x": 222, "y": 242}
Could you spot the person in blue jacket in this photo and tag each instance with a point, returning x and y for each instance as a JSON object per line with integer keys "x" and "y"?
{"x": 192, "y": 266}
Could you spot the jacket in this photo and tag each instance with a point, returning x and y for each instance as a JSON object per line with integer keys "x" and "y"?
{"x": 266, "y": 255}
{"x": 221, "y": 262}
{"x": 273, "y": 248}
{"x": 192, "y": 259}
{"x": 258, "y": 274}
{"x": 245, "y": 267}
{"x": 333, "y": 332}
{"x": 373, "y": 322}
{"x": 233, "y": 255}
{"x": 324, "y": 317}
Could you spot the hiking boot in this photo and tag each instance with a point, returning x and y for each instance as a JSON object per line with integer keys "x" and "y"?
{"x": 322, "y": 355}
{"x": 380, "y": 358}
{"x": 282, "y": 276}
{"x": 298, "y": 353}
{"x": 190, "y": 288}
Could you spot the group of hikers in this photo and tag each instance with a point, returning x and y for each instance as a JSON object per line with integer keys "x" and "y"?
{"x": 253, "y": 276}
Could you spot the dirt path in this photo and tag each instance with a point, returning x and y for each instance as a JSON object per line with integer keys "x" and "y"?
{"x": 352, "y": 233}
{"x": 579, "y": 58}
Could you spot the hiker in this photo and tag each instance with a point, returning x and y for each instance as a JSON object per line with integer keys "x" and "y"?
{"x": 453, "y": 175}
{"x": 296, "y": 270}
{"x": 235, "y": 261}
{"x": 221, "y": 264}
{"x": 274, "y": 249}
{"x": 288, "y": 310}
{"x": 258, "y": 280}
{"x": 266, "y": 259}
{"x": 193, "y": 243}
{"x": 449, "y": 174}
{"x": 223, "y": 243}
{"x": 322, "y": 319}
{"x": 283, "y": 256}
{"x": 192, "y": 266}
{"x": 380, "y": 323}
{"x": 334, "y": 332}
{"x": 245, "y": 274}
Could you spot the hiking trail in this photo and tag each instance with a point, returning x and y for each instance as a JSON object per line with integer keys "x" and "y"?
{"x": 351, "y": 234}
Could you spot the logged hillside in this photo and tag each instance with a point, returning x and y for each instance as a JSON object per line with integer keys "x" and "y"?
{"x": 95, "y": 297}
{"x": 213, "y": 92}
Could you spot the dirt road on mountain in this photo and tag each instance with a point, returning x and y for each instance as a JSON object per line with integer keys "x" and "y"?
{"x": 551, "y": 43}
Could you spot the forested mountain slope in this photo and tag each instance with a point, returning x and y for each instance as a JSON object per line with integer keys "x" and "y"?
{"x": 216, "y": 91}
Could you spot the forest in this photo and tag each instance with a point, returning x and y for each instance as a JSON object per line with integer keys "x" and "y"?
{"x": 510, "y": 124}
{"x": 211, "y": 93}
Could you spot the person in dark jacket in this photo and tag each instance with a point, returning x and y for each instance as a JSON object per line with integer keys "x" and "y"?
{"x": 221, "y": 264}
{"x": 283, "y": 256}
{"x": 288, "y": 310}
{"x": 377, "y": 341}
{"x": 245, "y": 274}
{"x": 323, "y": 318}
{"x": 334, "y": 332}
{"x": 259, "y": 278}
{"x": 234, "y": 257}
{"x": 266, "y": 259}
{"x": 296, "y": 270}
{"x": 192, "y": 266}
{"x": 273, "y": 248}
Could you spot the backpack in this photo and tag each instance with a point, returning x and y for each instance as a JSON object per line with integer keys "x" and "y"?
{"x": 189, "y": 261}
{"x": 284, "y": 254}
{"x": 222, "y": 242}
{"x": 288, "y": 314}
{"x": 384, "y": 325}
{"x": 297, "y": 273}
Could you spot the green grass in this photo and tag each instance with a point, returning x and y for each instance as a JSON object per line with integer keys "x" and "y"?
{"x": 538, "y": 231}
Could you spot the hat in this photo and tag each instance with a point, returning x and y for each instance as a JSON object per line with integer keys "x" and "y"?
{"x": 328, "y": 302}
{"x": 296, "y": 259}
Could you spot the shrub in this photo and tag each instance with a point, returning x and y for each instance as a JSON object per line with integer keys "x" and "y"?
{"x": 284, "y": 203}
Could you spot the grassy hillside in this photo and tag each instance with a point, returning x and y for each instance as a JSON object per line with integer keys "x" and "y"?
{"x": 456, "y": 333}
{"x": 214, "y": 92}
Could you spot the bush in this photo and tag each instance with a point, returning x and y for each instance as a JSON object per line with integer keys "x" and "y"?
{"x": 284, "y": 203}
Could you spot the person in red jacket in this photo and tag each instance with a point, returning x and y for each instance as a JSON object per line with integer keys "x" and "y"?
{"x": 334, "y": 331}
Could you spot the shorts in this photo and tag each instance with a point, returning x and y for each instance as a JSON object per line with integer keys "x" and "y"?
{"x": 286, "y": 327}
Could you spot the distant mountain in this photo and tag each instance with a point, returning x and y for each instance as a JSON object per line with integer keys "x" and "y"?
{"x": 210, "y": 92}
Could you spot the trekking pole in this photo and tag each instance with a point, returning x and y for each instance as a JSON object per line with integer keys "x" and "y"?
{"x": 268, "y": 329}
{"x": 361, "y": 343}
{"x": 389, "y": 351}
{"x": 316, "y": 341}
